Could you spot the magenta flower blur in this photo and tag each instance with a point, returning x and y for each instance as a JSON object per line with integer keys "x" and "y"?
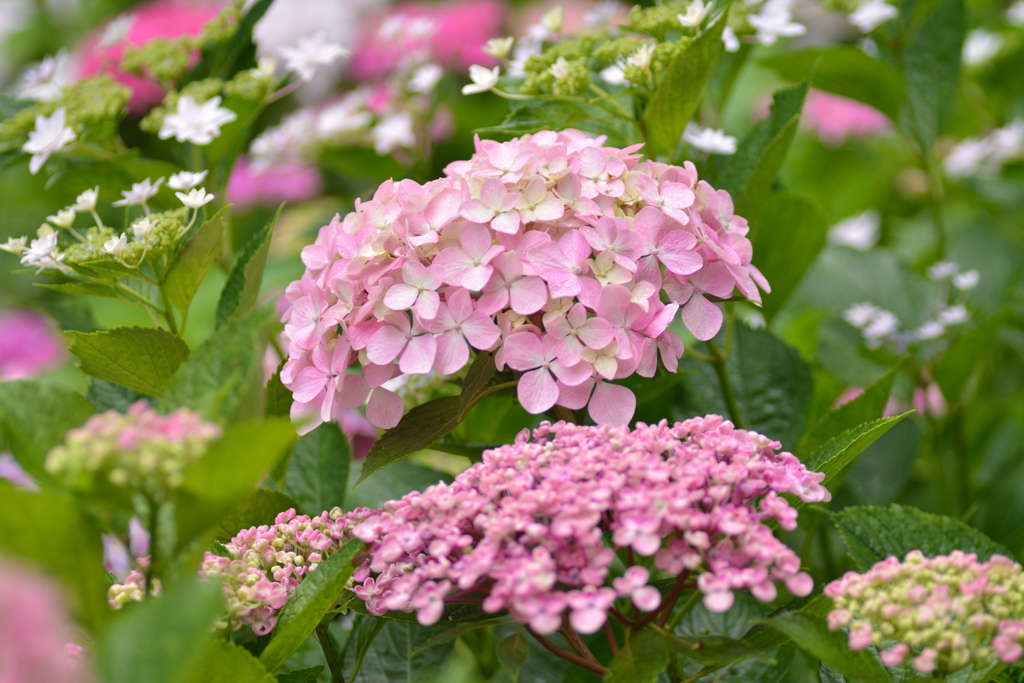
{"x": 550, "y": 250}
{"x": 250, "y": 186}
{"x": 837, "y": 118}
{"x": 535, "y": 527}
{"x": 28, "y": 345}
{"x": 941, "y": 613}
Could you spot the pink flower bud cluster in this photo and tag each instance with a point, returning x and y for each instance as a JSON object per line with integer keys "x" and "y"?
{"x": 551, "y": 250}
{"x": 268, "y": 563}
{"x": 943, "y": 612}
{"x": 140, "y": 448}
{"x": 535, "y": 527}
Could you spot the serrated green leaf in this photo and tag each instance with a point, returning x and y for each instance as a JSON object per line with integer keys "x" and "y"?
{"x": 229, "y": 663}
{"x": 83, "y": 289}
{"x": 930, "y": 56}
{"x": 193, "y": 261}
{"x": 829, "y": 675}
{"x": 680, "y": 89}
{"x": 450, "y": 634}
{"x": 243, "y": 284}
{"x": 309, "y": 603}
{"x": 261, "y": 507}
{"x": 513, "y": 652}
{"x": 641, "y": 660}
{"x": 836, "y": 455}
{"x": 812, "y": 635}
{"x": 318, "y": 470}
{"x": 307, "y": 675}
{"x": 140, "y": 358}
{"x": 392, "y": 652}
{"x": 873, "y": 534}
{"x": 712, "y": 649}
{"x": 418, "y": 429}
{"x": 846, "y": 71}
{"x": 109, "y": 396}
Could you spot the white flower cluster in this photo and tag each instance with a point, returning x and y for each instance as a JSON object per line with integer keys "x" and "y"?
{"x": 986, "y": 154}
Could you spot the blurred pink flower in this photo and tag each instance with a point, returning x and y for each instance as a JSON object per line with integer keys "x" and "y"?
{"x": 11, "y": 471}
{"x": 451, "y": 32}
{"x": 27, "y": 345}
{"x": 837, "y": 118}
{"x": 158, "y": 19}
{"x": 249, "y": 186}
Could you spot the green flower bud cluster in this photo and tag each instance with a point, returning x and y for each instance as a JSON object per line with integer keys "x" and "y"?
{"x": 542, "y": 71}
{"x": 87, "y": 103}
{"x": 200, "y": 91}
{"x": 152, "y": 236}
{"x": 660, "y": 21}
{"x": 252, "y": 84}
{"x": 134, "y": 587}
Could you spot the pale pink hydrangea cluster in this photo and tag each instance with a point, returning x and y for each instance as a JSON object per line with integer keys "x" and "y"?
{"x": 133, "y": 589}
{"x": 28, "y": 345}
{"x": 943, "y": 612}
{"x": 534, "y": 528}
{"x": 550, "y": 250}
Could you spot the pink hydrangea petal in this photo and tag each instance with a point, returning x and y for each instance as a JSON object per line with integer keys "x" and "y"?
{"x": 418, "y": 357}
{"x": 701, "y": 317}
{"x": 537, "y": 391}
{"x": 385, "y": 345}
{"x": 612, "y": 404}
{"x": 384, "y": 408}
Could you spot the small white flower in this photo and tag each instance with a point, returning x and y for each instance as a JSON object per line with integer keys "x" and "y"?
{"x": 943, "y": 270}
{"x": 117, "y": 30}
{"x": 392, "y": 132}
{"x": 499, "y": 47}
{"x": 1007, "y": 143}
{"x": 641, "y": 59}
{"x": 196, "y": 123}
{"x": 425, "y": 78}
{"x": 310, "y": 53}
{"x": 184, "y": 180}
{"x": 613, "y": 74}
{"x": 116, "y": 245}
{"x": 966, "y": 281}
{"x": 871, "y": 14}
{"x": 49, "y": 137}
{"x": 732, "y": 43}
{"x": 65, "y": 218}
{"x": 882, "y": 324}
{"x": 553, "y": 19}
{"x": 860, "y": 314}
{"x": 980, "y": 47}
{"x": 342, "y": 117}
{"x": 1015, "y": 14}
{"x": 140, "y": 194}
{"x": 142, "y": 227}
{"x": 709, "y": 139}
{"x": 560, "y": 69}
{"x": 14, "y": 245}
{"x": 421, "y": 28}
{"x": 858, "y": 232}
{"x": 695, "y": 13}
{"x": 41, "y": 252}
{"x": 195, "y": 199}
{"x": 484, "y": 79}
{"x": 930, "y": 330}
{"x": 954, "y": 315}
{"x": 392, "y": 27}
{"x": 774, "y": 21}
{"x": 45, "y": 80}
{"x": 602, "y": 14}
{"x": 87, "y": 200}
{"x": 966, "y": 158}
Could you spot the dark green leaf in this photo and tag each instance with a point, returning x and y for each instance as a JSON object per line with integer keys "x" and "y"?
{"x": 225, "y": 60}
{"x": 258, "y": 509}
{"x": 193, "y": 261}
{"x": 10, "y": 106}
{"x": 279, "y": 398}
{"x": 392, "y": 483}
{"x": 309, "y": 603}
{"x": 162, "y": 639}
{"x": 932, "y": 42}
{"x": 479, "y": 374}
{"x": 513, "y": 652}
{"x": 712, "y": 649}
{"x": 792, "y": 232}
{"x": 873, "y": 534}
{"x": 418, "y": 429}
{"x": 846, "y": 71}
{"x": 239, "y": 293}
{"x": 959, "y": 362}
{"x": 641, "y": 660}
{"x": 308, "y": 675}
{"x": 830, "y": 647}
{"x": 762, "y": 637}
{"x": 109, "y": 396}
{"x": 836, "y": 455}
{"x": 318, "y": 470}
{"x": 454, "y": 632}
{"x": 395, "y": 654}
{"x": 229, "y": 663}
{"x": 680, "y": 89}
{"x": 35, "y": 418}
{"x": 140, "y": 358}
{"x": 828, "y": 675}
{"x": 454, "y": 613}
{"x": 84, "y": 289}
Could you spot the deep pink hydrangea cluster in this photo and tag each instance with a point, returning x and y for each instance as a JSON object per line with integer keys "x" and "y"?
{"x": 28, "y": 345}
{"x": 943, "y": 612}
{"x": 535, "y": 527}
{"x": 550, "y": 250}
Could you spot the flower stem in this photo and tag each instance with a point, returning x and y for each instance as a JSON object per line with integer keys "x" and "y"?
{"x": 687, "y": 606}
{"x": 168, "y": 313}
{"x": 568, "y": 656}
{"x": 323, "y": 635}
{"x": 728, "y": 394}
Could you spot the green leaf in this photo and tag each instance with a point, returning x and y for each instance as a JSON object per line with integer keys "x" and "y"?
{"x": 932, "y": 42}
{"x": 680, "y": 89}
{"x": 956, "y": 366}
{"x": 454, "y": 632}
{"x": 829, "y": 675}
{"x": 395, "y": 653}
{"x": 712, "y": 649}
{"x": 846, "y": 71}
{"x": 394, "y": 482}
{"x": 35, "y": 418}
{"x": 193, "y": 261}
{"x": 867, "y": 407}
{"x": 258, "y": 509}
{"x": 307, "y": 675}
{"x": 239, "y": 293}
{"x": 109, "y": 396}
{"x": 479, "y": 374}
{"x": 162, "y": 639}
{"x": 229, "y": 663}
{"x": 279, "y": 397}
{"x": 792, "y": 232}
{"x": 225, "y": 60}
{"x": 513, "y": 652}
{"x": 72, "y": 549}
{"x": 873, "y": 534}
{"x": 10, "y": 106}
{"x": 830, "y": 647}
{"x": 641, "y": 660}
{"x": 140, "y": 358}
{"x": 84, "y": 289}
{"x": 836, "y": 455}
{"x": 318, "y": 470}
{"x": 418, "y": 429}
{"x": 309, "y": 603}
{"x": 227, "y": 474}
{"x": 748, "y": 175}
{"x": 222, "y": 372}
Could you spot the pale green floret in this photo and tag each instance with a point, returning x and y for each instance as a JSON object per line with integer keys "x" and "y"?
{"x": 660, "y": 22}
{"x": 251, "y": 84}
{"x": 165, "y": 60}
{"x": 87, "y": 104}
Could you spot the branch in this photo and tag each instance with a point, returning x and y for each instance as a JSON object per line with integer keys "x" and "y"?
{"x": 568, "y": 656}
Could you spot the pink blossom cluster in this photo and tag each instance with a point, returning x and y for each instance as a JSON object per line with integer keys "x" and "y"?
{"x": 837, "y": 118}
{"x": 535, "y": 527}
{"x": 27, "y": 345}
{"x": 133, "y": 589}
{"x": 943, "y": 612}
{"x": 140, "y": 448}
{"x": 550, "y": 250}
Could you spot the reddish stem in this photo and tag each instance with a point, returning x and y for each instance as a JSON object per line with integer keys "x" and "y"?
{"x": 568, "y": 656}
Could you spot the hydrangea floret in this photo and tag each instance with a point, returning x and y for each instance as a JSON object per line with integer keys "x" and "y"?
{"x": 551, "y": 251}
{"x": 941, "y": 613}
